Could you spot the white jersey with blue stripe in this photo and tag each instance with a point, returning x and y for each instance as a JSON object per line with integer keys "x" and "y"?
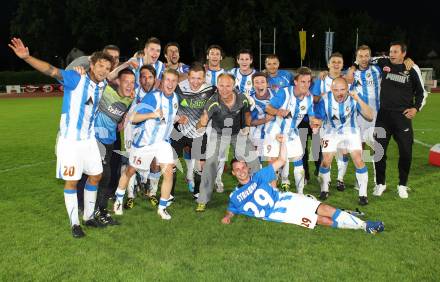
{"x": 338, "y": 117}
{"x": 259, "y": 199}
{"x": 158, "y": 66}
{"x": 155, "y": 130}
{"x": 243, "y": 82}
{"x": 259, "y": 112}
{"x": 367, "y": 84}
{"x": 212, "y": 75}
{"x": 80, "y": 105}
{"x": 323, "y": 86}
{"x": 285, "y": 99}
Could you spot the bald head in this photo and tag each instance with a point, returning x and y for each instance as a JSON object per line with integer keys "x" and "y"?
{"x": 339, "y": 89}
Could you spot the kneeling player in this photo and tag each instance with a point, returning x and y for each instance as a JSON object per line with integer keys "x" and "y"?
{"x": 255, "y": 197}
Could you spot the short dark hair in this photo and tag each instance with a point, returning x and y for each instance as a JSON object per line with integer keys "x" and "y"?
{"x": 214, "y": 46}
{"x": 195, "y": 67}
{"x": 244, "y": 51}
{"x": 125, "y": 71}
{"x": 259, "y": 73}
{"x": 99, "y": 55}
{"x": 235, "y": 160}
{"x": 302, "y": 71}
{"x": 150, "y": 68}
{"x": 151, "y": 40}
{"x": 363, "y": 47}
{"x": 169, "y": 44}
{"x": 336, "y": 55}
{"x": 402, "y": 45}
{"x": 111, "y": 47}
{"x": 272, "y": 56}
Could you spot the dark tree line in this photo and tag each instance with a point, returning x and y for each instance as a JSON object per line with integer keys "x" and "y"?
{"x": 52, "y": 27}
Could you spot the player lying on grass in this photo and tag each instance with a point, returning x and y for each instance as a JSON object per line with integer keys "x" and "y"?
{"x": 255, "y": 197}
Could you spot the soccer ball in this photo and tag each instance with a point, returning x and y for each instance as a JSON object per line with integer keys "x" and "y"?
{"x": 311, "y": 196}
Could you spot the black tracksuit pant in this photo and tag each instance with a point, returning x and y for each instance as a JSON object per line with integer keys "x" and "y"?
{"x": 400, "y": 128}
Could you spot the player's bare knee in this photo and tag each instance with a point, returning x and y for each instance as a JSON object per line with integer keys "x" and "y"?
{"x": 94, "y": 179}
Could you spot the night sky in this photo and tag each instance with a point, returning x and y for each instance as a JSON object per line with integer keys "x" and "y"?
{"x": 388, "y": 13}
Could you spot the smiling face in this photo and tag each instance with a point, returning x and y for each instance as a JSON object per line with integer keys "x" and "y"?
{"x": 241, "y": 171}
{"x": 396, "y": 54}
{"x": 260, "y": 85}
{"x": 272, "y": 65}
{"x": 147, "y": 80}
{"x": 100, "y": 70}
{"x": 172, "y": 55}
{"x": 152, "y": 51}
{"x": 335, "y": 65}
{"x": 196, "y": 79}
{"x": 302, "y": 84}
{"x": 339, "y": 88}
{"x": 225, "y": 86}
{"x": 169, "y": 83}
{"x": 126, "y": 85}
{"x": 244, "y": 61}
{"x": 214, "y": 57}
{"x": 363, "y": 58}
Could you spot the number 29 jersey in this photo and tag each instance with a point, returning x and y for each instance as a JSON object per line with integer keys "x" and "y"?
{"x": 256, "y": 198}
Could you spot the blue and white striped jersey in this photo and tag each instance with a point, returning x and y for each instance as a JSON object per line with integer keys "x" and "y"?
{"x": 80, "y": 104}
{"x": 282, "y": 79}
{"x": 212, "y": 75}
{"x": 367, "y": 84}
{"x": 154, "y": 130}
{"x": 321, "y": 86}
{"x": 243, "y": 83}
{"x": 286, "y": 99}
{"x": 259, "y": 112}
{"x": 158, "y": 66}
{"x": 338, "y": 117}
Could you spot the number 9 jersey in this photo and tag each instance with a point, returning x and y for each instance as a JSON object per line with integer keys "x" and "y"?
{"x": 259, "y": 199}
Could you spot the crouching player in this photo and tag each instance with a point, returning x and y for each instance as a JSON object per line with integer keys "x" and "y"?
{"x": 255, "y": 197}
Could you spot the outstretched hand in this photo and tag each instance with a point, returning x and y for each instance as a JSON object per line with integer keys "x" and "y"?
{"x": 19, "y": 49}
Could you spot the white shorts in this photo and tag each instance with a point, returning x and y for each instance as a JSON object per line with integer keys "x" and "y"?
{"x": 141, "y": 158}
{"x": 272, "y": 148}
{"x": 331, "y": 142}
{"x": 296, "y": 209}
{"x": 366, "y": 129}
{"x": 259, "y": 144}
{"x": 77, "y": 157}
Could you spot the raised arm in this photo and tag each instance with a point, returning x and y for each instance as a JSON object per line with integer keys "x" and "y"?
{"x": 281, "y": 161}
{"x": 366, "y": 111}
{"x": 23, "y": 53}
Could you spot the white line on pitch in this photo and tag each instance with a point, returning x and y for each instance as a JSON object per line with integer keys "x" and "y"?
{"x": 25, "y": 166}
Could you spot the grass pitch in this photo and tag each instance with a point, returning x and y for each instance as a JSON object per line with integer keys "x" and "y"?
{"x": 36, "y": 243}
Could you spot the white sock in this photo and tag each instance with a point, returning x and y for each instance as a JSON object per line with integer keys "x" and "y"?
{"x": 90, "y": 192}
{"x": 362, "y": 179}
{"x": 298, "y": 173}
{"x": 120, "y": 195}
{"x": 324, "y": 174}
{"x": 71, "y": 202}
{"x": 342, "y": 219}
{"x": 285, "y": 173}
{"x": 163, "y": 203}
{"x": 190, "y": 169}
{"x": 130, "y": 187}
{"x": 342, "y": 163}
{"x": 154, "y": 182}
